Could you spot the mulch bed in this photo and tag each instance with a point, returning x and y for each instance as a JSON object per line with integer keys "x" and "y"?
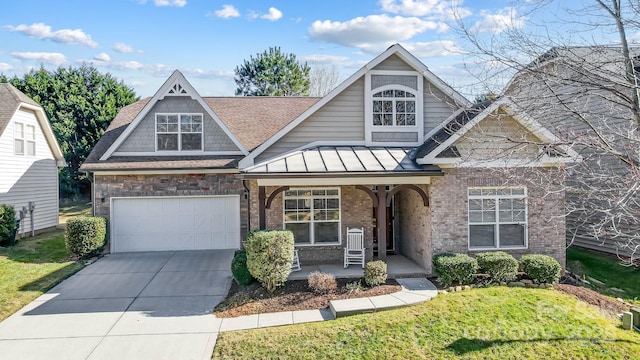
{"x": 294, "y": 295}
{"x": 589, "y": 296}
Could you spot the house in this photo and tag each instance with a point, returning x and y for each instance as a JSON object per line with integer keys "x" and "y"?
{"x": 29, "y": 160}
{"x": 584, "y": 96}
{"x": 393, "y": 150}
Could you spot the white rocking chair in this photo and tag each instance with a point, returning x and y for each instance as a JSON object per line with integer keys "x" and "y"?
{"x": 295, "y": 264}
{"x": 354, "y": 252}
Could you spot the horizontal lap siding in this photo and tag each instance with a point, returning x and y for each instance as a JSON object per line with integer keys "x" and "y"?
{"x": 395, "y": 63}
{"x": 29, "y": 178}
{"x": 495, "y": 138}
{"x": 342, "y": 119}
{"x": 437, "y": 106}
{"x": 142, "y": 139}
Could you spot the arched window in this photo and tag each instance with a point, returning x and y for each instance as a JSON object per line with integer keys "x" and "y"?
{"x": 394, "y": 107}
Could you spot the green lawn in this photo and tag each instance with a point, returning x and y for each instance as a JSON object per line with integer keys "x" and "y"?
{"x": 606, "y": 269}
{"x": 74, "y": 209}
{"x": 487, "y": 323}
{"x": 30, "y": 268}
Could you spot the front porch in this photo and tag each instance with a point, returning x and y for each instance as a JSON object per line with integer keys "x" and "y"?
{"x": 398, "y": 266}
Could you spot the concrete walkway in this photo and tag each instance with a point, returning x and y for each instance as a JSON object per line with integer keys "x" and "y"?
{"x": 126, "y": 306}
{"x": 414, "y": 291}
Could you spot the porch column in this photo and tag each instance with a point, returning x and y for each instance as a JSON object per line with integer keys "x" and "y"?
{"x": 381, "y": 221}
{"x": 262, "y": 198}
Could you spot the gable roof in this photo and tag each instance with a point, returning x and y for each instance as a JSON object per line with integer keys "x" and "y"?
{"x": 396, "y": 49}
{"x": 458, "y": 124}
{"x": 175, "y": 85}
{"x": 12, "y": 99}
{"x": 251, "y": 119}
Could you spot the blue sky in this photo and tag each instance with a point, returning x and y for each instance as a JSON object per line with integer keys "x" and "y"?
{"x": 142, "y": 42}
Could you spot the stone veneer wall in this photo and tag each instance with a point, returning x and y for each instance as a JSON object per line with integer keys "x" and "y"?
{"x": 545, "y": 201}
{"x": 168, "y": 185}
{"x": 414, "y": 230}
{"x": 356, "y": 211}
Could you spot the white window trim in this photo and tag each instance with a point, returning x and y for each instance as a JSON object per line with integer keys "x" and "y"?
{"x": 179, "y": 133}
{"x": 368, "y": 109}
{"x": 24, "y": 139}
{"x": 311, "y": 222}
{"x": 497, "y": 221}
{"x": 394, "y": 126}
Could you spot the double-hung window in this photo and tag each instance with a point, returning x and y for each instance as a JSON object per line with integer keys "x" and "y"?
{"x": 179, "y": 132}
{"x": 394, "y": 107}
{"x": 24, "y": 139}
{"x": 313, "y": 215}
{"x": 497, "y": 218}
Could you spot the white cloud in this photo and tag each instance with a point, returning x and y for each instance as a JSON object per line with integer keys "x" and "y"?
{"x": 56, "y": 59}
{"x": 5, "y": 67}
{"x": 227, "y": 12}
{"x": 64, "y": 36}
{"x": 103, "y": 57}
{"x": 635, "y": 38}
{"x": 324, "y": 59}
{"x": 371, "y": 33}
{"x": 436, "y": 8}
{"x": 124, "y": 48}
{"x": 176, "y": 3}
{"x": 501, "y": 21}
{"x": 273, "y": 15}
{"x": 433, "y": 48}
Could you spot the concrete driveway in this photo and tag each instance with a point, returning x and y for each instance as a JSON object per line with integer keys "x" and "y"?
{"x": 126, "y": 306}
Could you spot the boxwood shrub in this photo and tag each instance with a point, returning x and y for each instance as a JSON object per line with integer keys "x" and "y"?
{"x": 541, "y": 268}
{"x": 85, "y": 235}
{"x": 239, "y": 268}
{"x": 269, "y": 256}
{"x": 7, "y": 224}
{"x": 500, "y": 266}
{"x": 455, "y": 268}
{"x": 375, "y": 273}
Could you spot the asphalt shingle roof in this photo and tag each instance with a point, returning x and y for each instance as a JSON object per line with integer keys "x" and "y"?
{"x": 10, "y": 100}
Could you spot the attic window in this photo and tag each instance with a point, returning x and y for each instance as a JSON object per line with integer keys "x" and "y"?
{"x": 394, "y": 107}
{"x": 179, "y": 132}
{"x": 24, "y": 139}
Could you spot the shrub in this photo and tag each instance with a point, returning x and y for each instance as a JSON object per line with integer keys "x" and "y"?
{"x": 499, "y": 265}
{"x": 239, "y": 268}
{"x": 7, "y": 223}
{"x": 85, "y": 234}
{"x": 269, "y": 256}
{"x": 322, "y": 283}
{"x": 541, "y": 268}
{"x": 353, "y": 287}
{"x": 375, "y": 272}
{"x": 458, "y": 268}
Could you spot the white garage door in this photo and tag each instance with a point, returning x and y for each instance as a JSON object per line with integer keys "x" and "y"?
{"x": 175, "y": 223}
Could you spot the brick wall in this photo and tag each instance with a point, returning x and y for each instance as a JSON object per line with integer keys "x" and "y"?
{"x": 356, "y": 211}
{"x": 414, "y": 230}
{"x": 545, "y": 199}
{"x": 108, "y": 186}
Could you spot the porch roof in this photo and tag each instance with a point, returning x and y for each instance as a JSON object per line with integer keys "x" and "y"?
{"x": 346, "y": 160}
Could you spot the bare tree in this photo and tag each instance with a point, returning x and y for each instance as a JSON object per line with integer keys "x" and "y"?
{"x": 323, "y": 78}
{"x": 585, "y": 91}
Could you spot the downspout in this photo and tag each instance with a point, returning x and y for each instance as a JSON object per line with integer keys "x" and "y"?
{"x": 93, "y": 192}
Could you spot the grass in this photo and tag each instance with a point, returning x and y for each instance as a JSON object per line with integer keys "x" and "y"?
{"x": 31, "y": 267}
{"x": 74, "y": 209}
{"x": 493, "y": 323}
{"x": 606, "y": 269}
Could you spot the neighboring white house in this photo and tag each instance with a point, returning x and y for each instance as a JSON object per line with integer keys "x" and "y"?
{"x": 29, "y": 159}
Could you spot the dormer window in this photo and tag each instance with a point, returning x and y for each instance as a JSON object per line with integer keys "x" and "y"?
{"x": 394, "y": 107}
{"x": 179, "y": 132}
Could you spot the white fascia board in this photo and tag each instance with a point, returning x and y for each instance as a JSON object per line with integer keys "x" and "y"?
{"x": 48, "y": 132}
{"x": 463, "y": 130}
{"x": 332, "y": 181}
{"x": 177, "y": 153}
{"x": 544, "y": 161}
{"x": 160, "y": 94}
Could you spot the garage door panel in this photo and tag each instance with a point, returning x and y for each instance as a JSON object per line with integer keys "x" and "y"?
{"x": 187, "y": 223}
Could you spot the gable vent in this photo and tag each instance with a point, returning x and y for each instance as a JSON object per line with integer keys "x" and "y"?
{"x": 177, "y": 89}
